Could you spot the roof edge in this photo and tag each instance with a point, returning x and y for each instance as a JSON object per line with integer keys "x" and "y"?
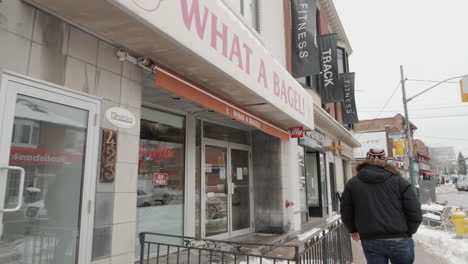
{"x": 335, "y": 22}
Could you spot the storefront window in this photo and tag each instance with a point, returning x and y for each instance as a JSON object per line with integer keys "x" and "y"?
{"x": 302, "y": 185}
{"x": 161, "y": 172}
{"x": 223, "y": 133}
{"x": 198, "y": 180}
{"x": 312, "y": 179}
{"x": 323, "y": 173}
{"x": 246, "y": 8}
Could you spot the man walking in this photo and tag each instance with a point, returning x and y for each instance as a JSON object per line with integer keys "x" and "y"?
{"x": 381, "y": 208}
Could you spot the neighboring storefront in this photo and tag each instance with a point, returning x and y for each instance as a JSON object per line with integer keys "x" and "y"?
{"x": 313, "y": 179}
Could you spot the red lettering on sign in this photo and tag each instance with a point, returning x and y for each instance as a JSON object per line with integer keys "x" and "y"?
{"x": 297, "y": 132}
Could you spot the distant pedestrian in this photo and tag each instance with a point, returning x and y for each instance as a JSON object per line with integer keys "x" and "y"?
{"x": 380, "y": 208}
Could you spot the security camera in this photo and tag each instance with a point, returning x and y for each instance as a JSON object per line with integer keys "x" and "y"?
{"x": 143, "y": 61}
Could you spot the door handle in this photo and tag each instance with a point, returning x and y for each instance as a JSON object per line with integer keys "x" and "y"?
{"x": 20, "y": 191}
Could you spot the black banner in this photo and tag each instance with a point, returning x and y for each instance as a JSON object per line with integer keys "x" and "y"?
{"x": 330, "y": 89}
{"x": 305, "y": 59}
{"x": 348, "y": 107}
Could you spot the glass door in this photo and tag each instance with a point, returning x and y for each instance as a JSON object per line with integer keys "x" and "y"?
{"x": 216, "y": 191}
{"x": 240, "y": 191}
{"x": 227, "y": 205}
{"x": 44, "y": 170}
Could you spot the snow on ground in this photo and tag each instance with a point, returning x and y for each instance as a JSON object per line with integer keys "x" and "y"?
{"x": 432, "y": 207}
{"x": 307, "y": 234}
{"x": 443, "y": 244}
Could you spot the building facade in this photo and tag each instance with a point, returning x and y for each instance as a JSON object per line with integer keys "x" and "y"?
{"x": 161, "y": 116}
{"x": 389, "y": 134}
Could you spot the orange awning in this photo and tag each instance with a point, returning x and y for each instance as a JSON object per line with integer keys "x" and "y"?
{"x": 170, "y": 81}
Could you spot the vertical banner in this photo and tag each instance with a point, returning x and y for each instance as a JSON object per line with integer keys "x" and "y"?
{"x": 305, "y": 59}
{"x": 348, "y": 108}
{"x": 330, "y": 88}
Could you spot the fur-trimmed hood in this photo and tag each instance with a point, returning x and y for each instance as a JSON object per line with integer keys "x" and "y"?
{"x": 376, "y": 171}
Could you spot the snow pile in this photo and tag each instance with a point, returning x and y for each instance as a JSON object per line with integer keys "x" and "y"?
{"x": 445, "y": 188}
{"x": 307, "y": 235}
{"x": 432, "y": 207}
{"x": 333, "y": 217}
{"x": 444, "y": 244}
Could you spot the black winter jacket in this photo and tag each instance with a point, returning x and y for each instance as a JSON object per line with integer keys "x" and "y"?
{"x": 378, "y": 203}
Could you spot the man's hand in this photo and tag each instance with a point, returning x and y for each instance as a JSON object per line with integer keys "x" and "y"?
{"x": 355, "y": 236}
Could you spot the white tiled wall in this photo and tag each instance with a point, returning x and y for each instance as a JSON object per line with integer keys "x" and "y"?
{"x": 41, "y": 46}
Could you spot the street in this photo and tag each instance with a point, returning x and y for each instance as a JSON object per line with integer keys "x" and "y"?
{"x": 452, "y": 196}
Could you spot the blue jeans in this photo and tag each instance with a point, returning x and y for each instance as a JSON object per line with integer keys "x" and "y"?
{"x": 381, "y": 251}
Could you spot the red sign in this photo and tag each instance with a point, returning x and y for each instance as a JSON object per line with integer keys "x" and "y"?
{"x": 43, "y": 156}
{"x": 161, "y": 179}
{"x": 158, "y": 154}
{"x": 297, "y": 132}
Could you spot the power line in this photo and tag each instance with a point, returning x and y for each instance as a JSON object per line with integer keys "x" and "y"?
{"x": 383, "y": 108}
{"x": 426, "y": 117}
{"x": 462, "y": 139}
{"x": 388, "y": 101}
{"x": 433, "y": 81}
{"x": 423, "y": 108}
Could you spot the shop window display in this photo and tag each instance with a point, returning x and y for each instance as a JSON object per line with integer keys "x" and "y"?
{"x": 161, "y": 170}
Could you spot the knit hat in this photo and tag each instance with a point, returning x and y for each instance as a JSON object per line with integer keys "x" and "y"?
{"x": 376, "y": 153}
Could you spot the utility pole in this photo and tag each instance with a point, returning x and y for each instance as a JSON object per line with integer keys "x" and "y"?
{"x": 408, "y": 130}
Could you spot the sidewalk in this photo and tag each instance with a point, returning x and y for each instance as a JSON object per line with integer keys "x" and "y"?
{"x": 422, "y": 255}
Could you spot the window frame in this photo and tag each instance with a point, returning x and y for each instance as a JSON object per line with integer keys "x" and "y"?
{"x": 252, "y": 24}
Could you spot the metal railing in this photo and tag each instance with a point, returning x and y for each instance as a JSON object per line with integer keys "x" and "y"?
{"x": 330, "y": 244}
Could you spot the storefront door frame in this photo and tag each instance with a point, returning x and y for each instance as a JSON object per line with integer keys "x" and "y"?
{"x": 55, "y": 93}
{"x": 229, "y": 147}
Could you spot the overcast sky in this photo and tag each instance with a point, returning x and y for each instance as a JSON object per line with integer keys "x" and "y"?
{"x": 430, "y": 39}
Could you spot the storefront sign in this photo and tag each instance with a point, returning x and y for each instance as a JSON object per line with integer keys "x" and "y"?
{"x": 335, "y": 148}
{"x": 120, "y": 117}
{"x": 464, "y": 89}
{"x": 305, "y": 59}
{"x": 108, "y": 155}
{"x": 158, "y": 153}
{"x": 330, "y": 89}
{"x": 312, "y": 139}
{"x": 22, "y": 155}
{"x": 346, "y": 151}
{"x": 368, "y": 141}
{"x": 297, "y": 132}
{"x": 214, "y": 33}
{"x": 396, "y": 135}
{"x": 349, "y": 111}
{"x": 171, "y": 82}
{"x": 424, "y": 166}
{"x": 161, "y": 179}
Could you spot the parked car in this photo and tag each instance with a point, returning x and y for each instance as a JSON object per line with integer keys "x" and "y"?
{"x": 462, "y": 184}
{"x": 167, "y": 195}
{"x": 143, "y": 199}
